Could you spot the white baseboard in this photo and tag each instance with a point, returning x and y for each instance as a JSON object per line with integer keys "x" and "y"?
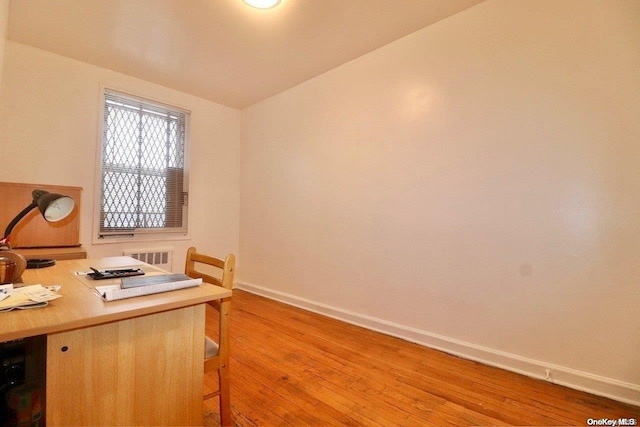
{"x": 579, "y": 380}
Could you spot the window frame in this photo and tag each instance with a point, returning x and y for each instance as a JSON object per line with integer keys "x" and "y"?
{"x": 151, "y": 234}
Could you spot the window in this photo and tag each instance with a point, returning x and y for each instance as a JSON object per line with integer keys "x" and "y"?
{"x": 143, "y": 188}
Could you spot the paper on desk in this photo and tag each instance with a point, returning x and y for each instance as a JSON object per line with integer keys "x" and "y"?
{"x": 173, "y": 283}
{"x": 28, "y": 297}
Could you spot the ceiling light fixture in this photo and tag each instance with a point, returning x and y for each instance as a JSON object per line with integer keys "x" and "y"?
{"x": 262, "y": 4}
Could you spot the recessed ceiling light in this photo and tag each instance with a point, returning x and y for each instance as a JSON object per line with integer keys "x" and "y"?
{"x": 262, "y": 4}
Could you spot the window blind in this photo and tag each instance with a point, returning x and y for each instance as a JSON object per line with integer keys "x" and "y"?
{"x": 143, "y": 177}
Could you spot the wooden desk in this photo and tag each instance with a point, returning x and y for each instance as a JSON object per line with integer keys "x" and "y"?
{"x": 129, "y": 362}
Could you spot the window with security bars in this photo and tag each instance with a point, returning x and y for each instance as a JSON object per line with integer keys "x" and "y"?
{"x": 143, "y": 177}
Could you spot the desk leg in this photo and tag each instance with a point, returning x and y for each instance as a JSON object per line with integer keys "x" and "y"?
{"x": 142, "y": 371}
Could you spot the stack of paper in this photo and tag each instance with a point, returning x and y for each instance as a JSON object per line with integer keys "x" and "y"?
{"x": 25, "y": 297}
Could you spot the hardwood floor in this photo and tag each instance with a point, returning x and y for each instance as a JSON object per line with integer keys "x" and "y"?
{"x": 293, "y": 367}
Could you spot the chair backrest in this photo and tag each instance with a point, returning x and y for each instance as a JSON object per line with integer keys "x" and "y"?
{"x": 227, "y": 266}
{"x": 216, "y": 349}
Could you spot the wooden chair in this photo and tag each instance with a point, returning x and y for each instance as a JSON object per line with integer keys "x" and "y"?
{"x": 216, "y": 350}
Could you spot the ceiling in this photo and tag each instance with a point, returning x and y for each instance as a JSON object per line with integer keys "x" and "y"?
{"x": 221, "y": 50}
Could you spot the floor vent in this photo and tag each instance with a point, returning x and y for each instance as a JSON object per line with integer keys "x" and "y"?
{"x": 161, "y": 258}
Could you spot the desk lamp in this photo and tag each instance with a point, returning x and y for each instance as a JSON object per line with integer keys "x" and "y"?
{"x": 54, "y": 208}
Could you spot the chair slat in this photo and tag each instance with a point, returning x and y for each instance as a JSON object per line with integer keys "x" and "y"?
{"x": 219, "y": 362}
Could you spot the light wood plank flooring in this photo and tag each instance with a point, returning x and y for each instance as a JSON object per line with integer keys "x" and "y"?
{"x": 292, "y": 367}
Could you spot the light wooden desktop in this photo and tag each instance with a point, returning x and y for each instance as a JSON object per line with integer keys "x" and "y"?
{"x": 137, "y": 361}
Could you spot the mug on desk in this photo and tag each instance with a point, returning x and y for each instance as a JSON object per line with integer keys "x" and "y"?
{"x": 7, "y": 270}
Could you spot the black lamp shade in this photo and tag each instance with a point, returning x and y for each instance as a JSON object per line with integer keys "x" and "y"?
{"x": 54, "y": 207}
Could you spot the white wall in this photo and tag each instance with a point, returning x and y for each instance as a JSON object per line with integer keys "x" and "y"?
{"x": 49, "y": 131}
{"x": 473, "y": 186}
{"x": 4, "y": 21}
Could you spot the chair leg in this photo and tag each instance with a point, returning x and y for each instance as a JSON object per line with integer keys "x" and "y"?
{"x": 226, "y": 417}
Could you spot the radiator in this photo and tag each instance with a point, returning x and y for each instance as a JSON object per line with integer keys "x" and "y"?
{"x": 161, "y": 258}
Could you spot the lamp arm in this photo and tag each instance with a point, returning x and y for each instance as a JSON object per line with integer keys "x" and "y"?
{"x": 17, "y": 219}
